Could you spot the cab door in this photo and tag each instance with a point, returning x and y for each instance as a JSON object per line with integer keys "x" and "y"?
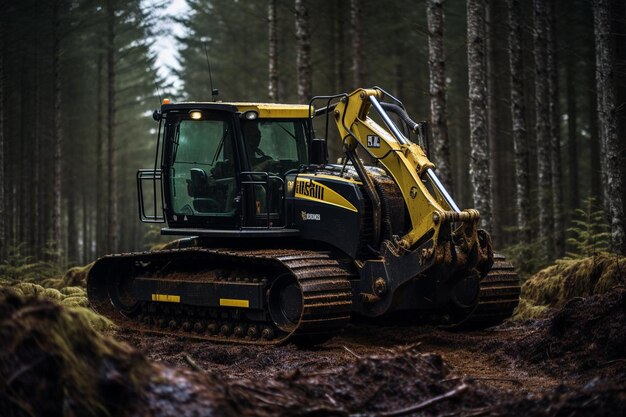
{"x": 273, "y": 148}
{"x": 202, "y": 184}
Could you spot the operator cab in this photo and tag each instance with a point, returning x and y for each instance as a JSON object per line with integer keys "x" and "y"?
{"x": 223, "y": 166}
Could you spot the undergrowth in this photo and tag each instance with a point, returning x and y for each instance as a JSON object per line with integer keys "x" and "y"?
{"x": 589, "y": 233}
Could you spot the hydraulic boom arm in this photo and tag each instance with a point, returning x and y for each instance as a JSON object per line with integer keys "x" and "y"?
{"x": 409, "y": 166}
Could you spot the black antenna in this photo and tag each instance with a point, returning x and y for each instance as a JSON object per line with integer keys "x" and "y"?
{"x": 214, "y": 91}
{"x": 158, "y": 92}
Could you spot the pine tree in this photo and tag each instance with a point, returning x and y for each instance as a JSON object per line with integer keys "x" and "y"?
{"x": 57, "y": 237}
{"x": 112, "y": 214}
{"x": 542, "y": 127}
{"x": 518, "y": 109}
{"x": 608, "y": 125}
{"x": 273, "y": 91}
{"x": 438, "y": 105}
{"x": 356, "y": 25}
{"x": 479, "y": 163}
{"x": 303, "y": 59}
{"x": 2, "y": 148}
{"x": 555, "y": 131}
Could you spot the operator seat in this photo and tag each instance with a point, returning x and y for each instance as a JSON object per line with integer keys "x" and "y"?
{"x": 198, "y": 185}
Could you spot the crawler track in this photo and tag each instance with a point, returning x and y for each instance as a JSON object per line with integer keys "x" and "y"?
{"x": 498, "y": 297}
{"x": 322, "y": 283}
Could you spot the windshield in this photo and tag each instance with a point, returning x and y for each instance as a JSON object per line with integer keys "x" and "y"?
{"x": 203, "y": 172}
{"x": 275, "y": 146}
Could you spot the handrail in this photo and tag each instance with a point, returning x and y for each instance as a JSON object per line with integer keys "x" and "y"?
{"x": 154, "y": 176}
{"x": 268, "y": 176}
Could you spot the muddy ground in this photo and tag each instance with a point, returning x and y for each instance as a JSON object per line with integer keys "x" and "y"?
{"x": 570, "y": 362}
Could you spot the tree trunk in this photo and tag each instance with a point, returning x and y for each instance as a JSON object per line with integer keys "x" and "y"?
{"x": 596, "y": 189}
{"x": 3, "y": 240}
{"x": 555, "y": 129}
{"x": 438, "y": 105}
{"x": 35, "y": 189}
{"x": 85, "y": 232}
{"x": 112, "y": 231}
{"x": 101, "y": 202}
{"x": 542, "y": 127}
{"x": 25, "y": 127}
{"x": 56, "y": 237}
{"x": 618, "y": 31}
{"x": 303, "y": 57}
{"x": 339, "y": 48}
{"x": 572, "y": 146}
{"x": 356, "y": 17}
{"x": 479, "y": 157}
{"x": 608, "y": 124}
{"x": 73, "y": 256}
{"x": 518, "y": 109}
{"x": 501, "y": 181}
{"x": 273, "y": 92}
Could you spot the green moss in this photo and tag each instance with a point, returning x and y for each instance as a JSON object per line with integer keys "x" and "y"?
{"x": 71, "y": 358}
{"x": 53, "y": 294}
{"x": 73, "y": 291}
{"x": 77, "y": 301}
{"x": 553, "y": 286}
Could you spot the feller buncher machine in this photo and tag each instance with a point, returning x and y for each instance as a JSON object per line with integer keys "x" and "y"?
{"x": 282, "y": 245}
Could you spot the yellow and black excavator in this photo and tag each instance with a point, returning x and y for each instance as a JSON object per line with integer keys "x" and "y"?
{"x": 284, "y": 246}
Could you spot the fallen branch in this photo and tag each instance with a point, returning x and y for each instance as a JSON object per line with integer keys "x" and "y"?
{"x": 483, "y": 378}
{"x": 602, "y": 365}
{"x": 193, "y": 363}
{"x": 351, "y": 352}
{"x": 478, "y": 412}
{"x": 453, "y": 393}
{"x": 25, "y": 368}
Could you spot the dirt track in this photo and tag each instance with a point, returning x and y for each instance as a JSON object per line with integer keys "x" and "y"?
{"x": 463, "y": 351}
{"x": 569, "y": 363}
{"x": 572, "y": 362}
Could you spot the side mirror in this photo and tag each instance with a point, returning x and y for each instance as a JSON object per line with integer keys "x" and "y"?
{"x": 318, "y": 152}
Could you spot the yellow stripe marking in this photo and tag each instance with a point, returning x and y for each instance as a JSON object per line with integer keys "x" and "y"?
{"x": 166, "y": 298}
{"x": 231, "y": 302}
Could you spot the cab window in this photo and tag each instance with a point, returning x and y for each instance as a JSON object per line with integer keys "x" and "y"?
{"x": 202, "y": 176}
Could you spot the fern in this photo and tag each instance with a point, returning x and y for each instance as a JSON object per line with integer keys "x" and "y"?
{"x": 589, "y": 233}
{"x": 21, "y": 267}
{"x": 527, "y": 257}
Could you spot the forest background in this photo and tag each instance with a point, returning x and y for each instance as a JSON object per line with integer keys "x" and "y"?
{"x": 532, "y": 133}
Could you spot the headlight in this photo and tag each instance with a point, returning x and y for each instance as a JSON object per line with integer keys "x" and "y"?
{"x": 250, "y": 115}
{"x": 195, "y": 114}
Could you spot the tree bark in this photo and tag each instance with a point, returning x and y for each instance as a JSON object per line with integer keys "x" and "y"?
{"x": 618, "y": 31}
{"x": 112, "y": 231}
{"x": 339, "y": 48}
{"x": 303, "y": 56}
{"x": 101, "y": 190}
{"x": 57, "y": 220}
{"x": 273, "y": 91}
{"x": 518, "y": 110}
{"x": 438, "y": 105}
{"x": 3, "y": 240}
{"x": 555, "y": 129}
{"x": 356, "y": 17}
{"x": 542, "y": 127}
{"x": 596, "y": 189}
{"x": 479, "y": 156}
{"x": 572, "y": 127}
{"x": 85, "y": 228}
{"x": 608, "y": 124}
